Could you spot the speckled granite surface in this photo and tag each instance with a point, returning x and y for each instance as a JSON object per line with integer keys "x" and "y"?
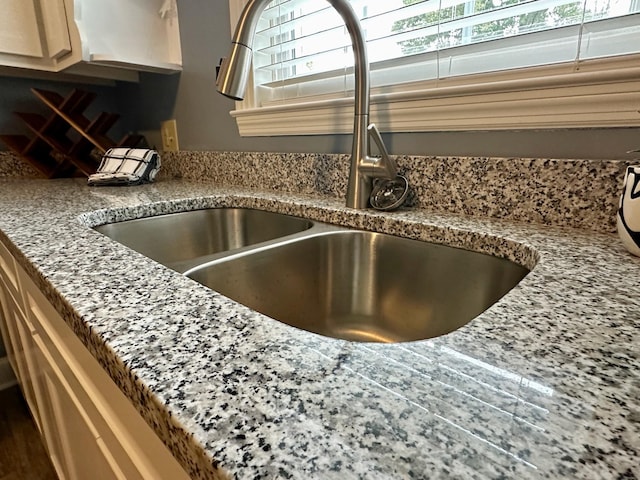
{"x": 544, "y": 384}
{"x": 12, "y": 166}
{"x": 573, "y": 193}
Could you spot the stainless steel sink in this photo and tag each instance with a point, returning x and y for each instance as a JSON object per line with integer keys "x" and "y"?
{"x": 337, "y": 282}
{"x": 182, "y": 240}
{"x": 363, "y": 286}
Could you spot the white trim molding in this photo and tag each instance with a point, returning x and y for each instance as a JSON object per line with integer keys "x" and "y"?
{"x": 600, "y": 93}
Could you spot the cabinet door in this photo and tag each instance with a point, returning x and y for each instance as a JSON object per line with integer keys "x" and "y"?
{"x": 34, "y": 34}
{"x": 50, "y": 433}
{"x": 135, "y": 36}
{"x": 16, "y": 330}
{"x": 12, "y": 337}
{"x": 31, "y": 385}
{"x": 9, "y": 275}
{"x": 4, "y": 329}
{"x": 84, "y": 452}
{"x": 19, "y": 30}
{"x": 7, "y": 359}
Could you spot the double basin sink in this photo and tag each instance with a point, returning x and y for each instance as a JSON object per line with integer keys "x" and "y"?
{"x": 334, "y": 281}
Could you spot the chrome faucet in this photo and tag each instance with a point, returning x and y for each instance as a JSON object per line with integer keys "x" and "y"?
{"x": 232, "y": 81}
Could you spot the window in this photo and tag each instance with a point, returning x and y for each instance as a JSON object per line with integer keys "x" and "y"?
{"x": 448, "y": 65}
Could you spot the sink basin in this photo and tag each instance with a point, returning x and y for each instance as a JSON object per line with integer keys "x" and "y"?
{"x": 342, "y": 283}
{"x": 364, "y": 286}
{"x": 182, "y": 240}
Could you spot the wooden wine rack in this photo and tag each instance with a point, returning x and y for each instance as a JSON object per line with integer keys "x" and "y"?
{"x": 66, "y": 143}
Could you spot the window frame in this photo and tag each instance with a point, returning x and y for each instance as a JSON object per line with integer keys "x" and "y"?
{"x": 599, "y": 93}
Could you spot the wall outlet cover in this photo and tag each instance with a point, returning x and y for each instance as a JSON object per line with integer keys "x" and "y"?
{"x": 169, "y": 133}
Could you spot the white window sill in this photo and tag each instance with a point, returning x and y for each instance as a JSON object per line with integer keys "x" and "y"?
{"x": 601, "y": 93}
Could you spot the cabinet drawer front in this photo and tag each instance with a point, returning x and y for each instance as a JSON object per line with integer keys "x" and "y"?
{"x": 9, "y": 275}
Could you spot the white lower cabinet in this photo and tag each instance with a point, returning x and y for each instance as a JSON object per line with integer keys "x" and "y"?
{"x": 74, "y": 428}
{"x": 19, "y": 346}
{"x": 90, "y": 429}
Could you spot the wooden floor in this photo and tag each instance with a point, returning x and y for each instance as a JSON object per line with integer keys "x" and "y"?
{"x": 22, "y": 454}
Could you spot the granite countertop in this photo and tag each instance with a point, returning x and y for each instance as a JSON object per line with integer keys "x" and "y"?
{"x": 544, "y": 384}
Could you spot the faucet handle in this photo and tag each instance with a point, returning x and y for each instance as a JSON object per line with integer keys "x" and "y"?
{"x": 374, "y": 133}
{"x": 219, "y": 66}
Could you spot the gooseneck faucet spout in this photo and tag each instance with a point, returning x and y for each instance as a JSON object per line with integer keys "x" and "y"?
{"x": 232, "y": 81}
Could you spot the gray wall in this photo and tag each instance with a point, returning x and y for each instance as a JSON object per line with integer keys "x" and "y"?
{"x": 16, "y": 96}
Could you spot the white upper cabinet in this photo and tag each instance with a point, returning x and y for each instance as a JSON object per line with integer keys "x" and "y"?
{"x": 31, "y": 35}
{"x": 141, "y": 34}
{"x": 19, "y": 33}
{"x": 56, "y": 30}
{"x": 106, "y": 38}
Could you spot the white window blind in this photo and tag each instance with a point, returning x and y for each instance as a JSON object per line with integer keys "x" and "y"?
{"x": 302, "y": 50}
{"x": 446, "y": 65}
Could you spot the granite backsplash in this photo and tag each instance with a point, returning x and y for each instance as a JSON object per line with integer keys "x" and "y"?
{"x": 574, "y": 193}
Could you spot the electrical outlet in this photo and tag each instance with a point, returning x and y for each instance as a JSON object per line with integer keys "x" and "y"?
{"x": 169, "y": 132}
